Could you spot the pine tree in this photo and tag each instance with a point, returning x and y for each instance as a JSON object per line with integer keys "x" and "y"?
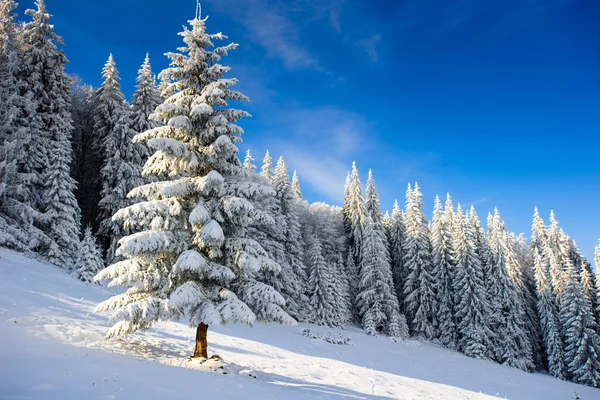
{"x": 296, "y": 185}
{"x": 582, "y": 345}
{"x": 320, "y": 286}
{"x": 443, "y": 271}
{"x": 558, "y": 262}
{"x": 377, "y": 303}
{"x": 419, "y": 287}
{"x": 248, "y": 162}
{"x": 20, "y": 216}
{"x": 267, "y": 167}
{"x": 518, "y": 265}
{"x": 50, "y": 87}
{"x": 396, "y": 239}
{"x": 471, "y": 302}
{"x": 294, "y": 284}
{"x": 145, "y": 100}
{"x": 548, "y": 313}
{"x": 354, "y": 220}
{"x": 194, "y": 256}
{"x": 512, "y": 346}
{"x": 539, "y": 233}
{"x": 122, "y": 166}
{"x": 89, "y": 258}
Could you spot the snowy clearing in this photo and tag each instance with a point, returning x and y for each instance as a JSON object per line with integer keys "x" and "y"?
{"x": 52, "y": 347}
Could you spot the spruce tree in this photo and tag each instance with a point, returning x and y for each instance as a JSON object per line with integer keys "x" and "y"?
{"x": 122, "y": 166}
{"x": 44, "y": 66}
{"x": 295, "y": 282}
{"x": 248, "y": 165}
{"x": 145, "y": 100}
{"x": 396, "y": 239}
{"x": 471, "y": 302}
{"x": 376, "y": 301}
{"x": 320, "y": 285}
{"x": 20, "y": 216}
{"x": 512, "y": 345}
{"x": 419, "y": 287}
{"x": 195, "y": 256}
{"x": 597, "y": 262}
{"x": 518, "y": 264}
{"x": 354, "y": 215}
{"x": 267, "y": 167}
{"x": 296, "y": 185}
{"x": 582, "y": 344}
{"x": 548, "y": 312}
{"x": 443, "y": 271}
{"x": 89, "y": 258}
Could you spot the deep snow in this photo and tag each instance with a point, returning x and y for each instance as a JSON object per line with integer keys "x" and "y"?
{"x": 52, "y": 347}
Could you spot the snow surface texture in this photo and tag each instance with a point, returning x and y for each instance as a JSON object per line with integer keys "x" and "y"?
{"x": 52, "y": 347}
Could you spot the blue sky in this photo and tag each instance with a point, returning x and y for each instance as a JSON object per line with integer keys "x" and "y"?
{"x": 496, "y": 102}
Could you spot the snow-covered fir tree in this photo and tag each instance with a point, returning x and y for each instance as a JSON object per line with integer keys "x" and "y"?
{"x": 539, "y": 233}
{"x": 296, "y": 185}
{"x": 320, "y": 285}
{"x": 582, "y": 344}
{"x": 396, "y": 238}
{"x": 267, "y": 167}
{"x": 89, "y": 258}
{"x": 376, "y": 301}
{"x": 443, "y": 272}
{"x": 20, "y": 216}
{"x": 294, "y": 285}
{"x": 547, "y": 311}
{"x": 419, "y": 287}
{"x": 472, "y": 308}
{"x": 44, "y": 65}
{"x": 354, "y": 221}
{"x": 194, "y": 256}
{"x": 143, "y": 103}
{"x": 248, "y": 162}
{"x": 122, "y": 166}
{"x": 512, "y": 345}
{"x": 519, "y": 268}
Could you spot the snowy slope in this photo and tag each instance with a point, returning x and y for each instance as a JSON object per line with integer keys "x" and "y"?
{"x": 52, "y": 347}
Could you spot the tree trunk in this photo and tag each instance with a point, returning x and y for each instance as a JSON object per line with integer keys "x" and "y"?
{"x": 201, "y": 343}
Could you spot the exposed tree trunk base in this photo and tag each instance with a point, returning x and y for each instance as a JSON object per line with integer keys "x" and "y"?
{"x": 201, "y": 349}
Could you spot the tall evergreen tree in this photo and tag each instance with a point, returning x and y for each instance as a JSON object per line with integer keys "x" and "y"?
{"x": 248, "y": 165}
{"x": 443, "y": 272}
{"x": 354, "y": 215}
{"x": 419, "y": 287}
{"x": 296, "y": 185}
{"x": 471, "y": 302}
{"x": 582, "y": 345}
{"x": 396, "y": 239}
{"x": 548, "y": 313}
{"x": 145, "y": 100}
{"x": 20, "y": 216}
{"x": 267, "y": 167}
{"x": 44, "y": 66}
{"x": 122, "y": 166}
{"x": 377, "y": 303}
{"x": 320, "y": 285}
{"x": 512, "y": 346}
{"x": 195, "y": 256}
{"x": 295, "y": 282}
{"x": 597, "y": 262}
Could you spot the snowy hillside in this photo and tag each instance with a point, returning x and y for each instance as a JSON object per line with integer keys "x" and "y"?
{"x": 52, "y": 347}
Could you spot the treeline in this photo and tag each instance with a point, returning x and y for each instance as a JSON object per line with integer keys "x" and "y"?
{"x": 191, "y": 230}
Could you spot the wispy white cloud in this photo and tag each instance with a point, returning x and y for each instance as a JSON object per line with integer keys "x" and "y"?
{"x": 369, "y": 46}
{"x": 268, "y": 26}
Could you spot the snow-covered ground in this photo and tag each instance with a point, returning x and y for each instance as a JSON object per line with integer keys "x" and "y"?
{"x": 52, "y": 347}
